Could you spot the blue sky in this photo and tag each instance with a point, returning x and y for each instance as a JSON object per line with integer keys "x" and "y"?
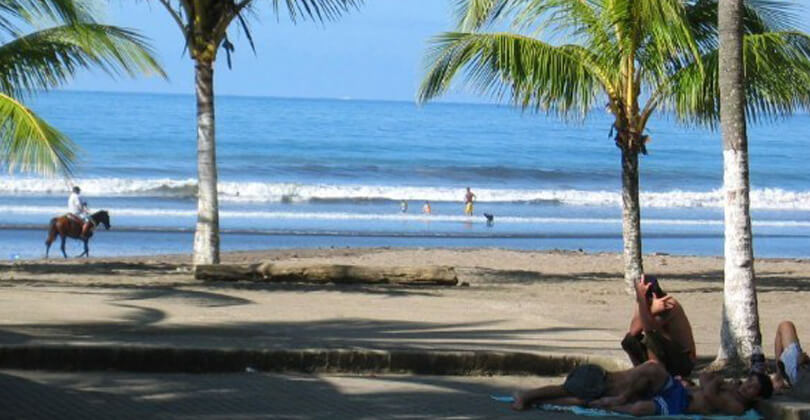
{"x": 372, "y": 53}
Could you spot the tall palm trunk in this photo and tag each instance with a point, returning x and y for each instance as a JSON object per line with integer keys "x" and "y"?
{"x": 740, "y": 329}
{"x": 206, "y": 237}
{"x": 631, "y": 217}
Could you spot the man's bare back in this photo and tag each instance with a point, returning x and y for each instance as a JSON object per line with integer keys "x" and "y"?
{"x": 676, "y": 327}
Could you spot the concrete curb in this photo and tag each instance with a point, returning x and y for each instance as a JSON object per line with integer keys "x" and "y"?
{"x": 161, "y": 359}
{"x": 783, "y": 408}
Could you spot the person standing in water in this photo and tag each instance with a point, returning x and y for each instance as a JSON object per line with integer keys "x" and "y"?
{"x": 426, "y": 208}
{"x": 468, "y": 202}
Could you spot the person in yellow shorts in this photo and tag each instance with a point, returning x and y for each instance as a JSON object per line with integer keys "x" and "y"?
{"x": 468, "y": 202}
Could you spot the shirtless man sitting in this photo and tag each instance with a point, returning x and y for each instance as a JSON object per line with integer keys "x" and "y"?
{"x": 660, "y": 330}
{"x": 671, "y": 396}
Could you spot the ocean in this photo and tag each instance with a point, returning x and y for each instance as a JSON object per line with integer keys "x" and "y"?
{"x": 300, "y": 173}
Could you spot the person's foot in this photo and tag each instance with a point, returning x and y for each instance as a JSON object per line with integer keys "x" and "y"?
{"x": 519, "y": 403}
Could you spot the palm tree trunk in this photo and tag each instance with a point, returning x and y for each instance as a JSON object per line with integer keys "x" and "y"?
{"x": 740, "y": 326}
{"x": 631, "y": 217}
{"x": 206, "y": 237}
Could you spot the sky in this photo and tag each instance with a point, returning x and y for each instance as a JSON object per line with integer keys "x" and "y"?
{"x": 376, "y": 52}
{"x": 372, "y": 53}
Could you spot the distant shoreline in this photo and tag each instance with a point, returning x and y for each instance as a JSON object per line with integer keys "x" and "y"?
{"x": 404, "y": 256}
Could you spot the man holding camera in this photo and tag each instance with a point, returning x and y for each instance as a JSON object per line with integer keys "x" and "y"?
{"x": 660, "y": 330}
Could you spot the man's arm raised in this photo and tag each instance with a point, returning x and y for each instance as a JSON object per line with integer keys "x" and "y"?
{"x": 645, "y": 315}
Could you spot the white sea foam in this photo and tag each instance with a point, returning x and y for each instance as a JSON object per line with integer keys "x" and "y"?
{"x": 48, "y": 211}
{"x": 774, "y": 199}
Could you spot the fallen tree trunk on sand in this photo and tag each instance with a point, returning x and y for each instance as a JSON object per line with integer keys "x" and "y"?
{"x": 328, "y": 273}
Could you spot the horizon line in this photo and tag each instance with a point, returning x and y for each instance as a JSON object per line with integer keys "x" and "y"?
{"x": 316, "y": 98}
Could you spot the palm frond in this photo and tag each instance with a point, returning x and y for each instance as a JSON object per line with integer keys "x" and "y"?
{"x": 759, "y": 16}
{"x": 54, "y": 11}
{"x": 531, "y": 73}
{"x": 777, "y": 79}
{"x": 472, "y": 15}
{"x": 47, "y": 58}
{"x": 318, "y": 10}
{"x": 28, "y": 143}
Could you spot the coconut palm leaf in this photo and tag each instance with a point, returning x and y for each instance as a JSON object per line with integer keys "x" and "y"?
{"x": 532, "y": 73}
{"x": 47, "y": 58}
{"x": 472, "y": 15}
{"x": 760, "y": 16}
{"x": 34, "y": 11}
{"x": 320, "y": 10}
{"x": 28, "y": 143}
{"x": 777, "y": 75}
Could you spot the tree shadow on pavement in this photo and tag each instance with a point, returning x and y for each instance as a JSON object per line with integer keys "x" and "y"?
{"x": 35, "y": 395}
{"x": 141, "y": 329}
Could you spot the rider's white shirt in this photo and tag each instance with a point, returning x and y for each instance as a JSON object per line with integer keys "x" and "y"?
{"x": 75, "y": 204}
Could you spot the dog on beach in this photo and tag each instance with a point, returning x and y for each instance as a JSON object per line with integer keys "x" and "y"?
{"x": 490, "y": 218}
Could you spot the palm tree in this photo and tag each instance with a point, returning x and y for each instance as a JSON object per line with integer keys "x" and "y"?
{"x": 636, "y": 56}
{"x": 740, "y": 325}
{"x": 42, "y": 59}
{"x": 204, "y": 25}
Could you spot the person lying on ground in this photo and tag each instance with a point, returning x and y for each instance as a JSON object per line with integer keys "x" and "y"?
{"x": 792, "y": 363}
{"x": 587, "y": 383}
{"x": 660, "y": 330}
{"x": 672, "y": 396}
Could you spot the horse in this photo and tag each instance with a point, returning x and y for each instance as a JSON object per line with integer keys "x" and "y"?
{"x": 68, "y": 226}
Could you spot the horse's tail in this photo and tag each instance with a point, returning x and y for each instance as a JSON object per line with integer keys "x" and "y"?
{"x": 51, "y": 231}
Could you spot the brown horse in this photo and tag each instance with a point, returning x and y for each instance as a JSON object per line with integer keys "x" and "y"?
{"x": 67, "y": 226}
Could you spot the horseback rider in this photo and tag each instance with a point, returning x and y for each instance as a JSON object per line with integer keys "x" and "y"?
{"x": 78, "y": 209}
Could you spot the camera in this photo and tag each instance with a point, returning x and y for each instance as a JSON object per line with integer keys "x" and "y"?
{"x": 655, "y": 288}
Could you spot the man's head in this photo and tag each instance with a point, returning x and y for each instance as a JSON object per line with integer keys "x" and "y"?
{"x": 757, "y": 386}
{"x": 77, "y": 190}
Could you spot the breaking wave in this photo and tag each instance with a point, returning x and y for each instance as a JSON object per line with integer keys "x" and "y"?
{"x": 771, "y": 199}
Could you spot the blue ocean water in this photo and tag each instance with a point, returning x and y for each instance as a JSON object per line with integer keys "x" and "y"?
{"x": 322, "y": 172}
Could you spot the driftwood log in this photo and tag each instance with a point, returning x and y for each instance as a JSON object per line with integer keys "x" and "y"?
{"x": 328, "y": 273}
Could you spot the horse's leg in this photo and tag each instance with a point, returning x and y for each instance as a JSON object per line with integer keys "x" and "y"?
{"x": 64, "y": 254}
{"x": 51, "y": 236}
{"x": 86, "y": 252}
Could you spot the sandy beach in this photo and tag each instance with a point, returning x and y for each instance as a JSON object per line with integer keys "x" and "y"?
{"x": 579, "y": 289}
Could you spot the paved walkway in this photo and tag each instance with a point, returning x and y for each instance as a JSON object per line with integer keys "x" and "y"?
{"x": 38, "y": 395}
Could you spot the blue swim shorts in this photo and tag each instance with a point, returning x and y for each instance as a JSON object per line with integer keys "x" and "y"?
{"x": 790, "y": 358}
{"x": 672, "y": 400}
